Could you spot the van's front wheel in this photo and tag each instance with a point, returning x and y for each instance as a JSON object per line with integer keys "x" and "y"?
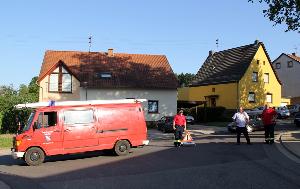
{"x": 122, "y": 147}
{"x": 34, "y": 156}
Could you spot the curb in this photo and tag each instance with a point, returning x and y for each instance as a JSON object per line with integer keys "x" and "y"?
{"x": 287, "y": 148}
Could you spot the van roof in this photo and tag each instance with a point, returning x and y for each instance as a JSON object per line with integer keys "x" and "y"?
{"x": 78, "y": 103}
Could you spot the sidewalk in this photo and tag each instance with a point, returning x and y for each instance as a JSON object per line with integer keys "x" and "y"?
{"x": 291, "y": 142}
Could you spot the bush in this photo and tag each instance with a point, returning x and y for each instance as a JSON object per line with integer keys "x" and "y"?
{"x": 207, "y": 114}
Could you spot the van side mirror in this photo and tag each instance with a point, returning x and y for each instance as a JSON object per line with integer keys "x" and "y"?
{"x": 35, "y": 126}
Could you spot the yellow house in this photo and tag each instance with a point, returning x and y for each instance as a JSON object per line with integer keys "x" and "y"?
{"x": 241, "y": 76}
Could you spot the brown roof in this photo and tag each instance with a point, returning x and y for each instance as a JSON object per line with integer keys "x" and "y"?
{"x": 127, "y": 70}
{"x": 227, "y": 66}
{"x": 293, "y": 56}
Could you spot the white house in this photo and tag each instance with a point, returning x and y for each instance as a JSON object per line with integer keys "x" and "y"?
{"x": 74, "y": 75}
{"x": 288, "y": 69}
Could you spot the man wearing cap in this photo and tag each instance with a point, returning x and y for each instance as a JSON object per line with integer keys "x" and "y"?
{"x": 179, "y": 126}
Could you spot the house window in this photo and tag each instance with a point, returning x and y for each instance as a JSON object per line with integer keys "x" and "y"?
{"x": 251, "y": 97}
{"x": 290, "y": 64}
{"x": 254, "y": 76}
{"x": 152, "y": 106}
{"x": 104, "y": 75}
{"x": 60, "y": 80}
{"x": 213, "y": 90}
{"x": 257, "y": 62}
{"x": 278, "y": 65}
{"x": 269, "y": 97}
{"x": 264, "y": 62}
{"x": 266, "y": 77}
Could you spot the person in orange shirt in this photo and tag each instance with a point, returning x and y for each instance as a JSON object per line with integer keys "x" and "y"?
{"x": 268, "y": 117}
{"x": 179, "y": 126}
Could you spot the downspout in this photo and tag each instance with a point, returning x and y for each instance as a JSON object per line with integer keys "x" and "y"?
{"x": 238, "y": 95}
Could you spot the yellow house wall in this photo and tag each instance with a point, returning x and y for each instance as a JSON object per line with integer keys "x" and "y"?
{"x": 183, "y": 93}
{"x": 227, "y": 94}
{"x": 45, "y": 96}
{"x": 260, "y": 88}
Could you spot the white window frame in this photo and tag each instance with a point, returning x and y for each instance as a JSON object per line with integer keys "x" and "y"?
{"x": 254, "y": 76}
{"x": 266, "y": 77}
{"x": 269, "y": 97}
{"x": 251, "y": 97}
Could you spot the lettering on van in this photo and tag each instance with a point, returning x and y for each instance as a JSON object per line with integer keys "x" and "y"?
{"x": 47, "y": 136}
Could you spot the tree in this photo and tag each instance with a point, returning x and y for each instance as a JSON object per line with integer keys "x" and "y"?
{"x": 185, "y": 78}
{"x": 9, "y": 97}
{"x": 283, "y": 12}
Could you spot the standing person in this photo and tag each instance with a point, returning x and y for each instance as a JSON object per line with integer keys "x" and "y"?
{"x": 179, "y": 126}
{"x": 268, "y": 117}
{"x": 241, "y": 118}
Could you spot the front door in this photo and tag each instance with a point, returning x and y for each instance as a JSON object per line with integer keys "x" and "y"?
{"x": 80, "y": 128}
{"x": 47, "y": 132}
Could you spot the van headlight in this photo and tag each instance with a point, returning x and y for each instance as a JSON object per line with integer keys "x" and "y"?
{"x": 18, "y": 142}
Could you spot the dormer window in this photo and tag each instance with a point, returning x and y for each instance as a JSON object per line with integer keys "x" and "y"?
{"x": 104, "y": 75}
{"x": 60, "y": 80}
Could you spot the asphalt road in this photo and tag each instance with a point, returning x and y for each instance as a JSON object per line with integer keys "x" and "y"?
{"x": 215, "y": 162}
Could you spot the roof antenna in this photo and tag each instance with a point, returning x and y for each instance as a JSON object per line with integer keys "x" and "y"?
{"x": 217, "y": 44}
{"x": 90, "y": 43}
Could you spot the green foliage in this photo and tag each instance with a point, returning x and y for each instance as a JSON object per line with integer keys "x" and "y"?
{"x": 185, "y": 78}
{"x": 287, "y": 12}
{"x": 207, "y": 114}
{"x": 9, "y": 97}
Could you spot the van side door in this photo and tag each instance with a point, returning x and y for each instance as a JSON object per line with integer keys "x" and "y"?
{"x": 80, "y": 128}
{"x": 47, "y": 132}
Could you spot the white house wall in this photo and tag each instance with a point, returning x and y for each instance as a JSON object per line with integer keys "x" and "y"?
{"x": 288, "y": 76}
{"x": 167, "y": 99}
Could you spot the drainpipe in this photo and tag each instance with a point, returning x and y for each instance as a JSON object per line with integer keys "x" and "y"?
{"x": 238, "y": 95}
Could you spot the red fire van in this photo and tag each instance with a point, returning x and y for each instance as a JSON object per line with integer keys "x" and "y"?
{"x": 80, "y": 126}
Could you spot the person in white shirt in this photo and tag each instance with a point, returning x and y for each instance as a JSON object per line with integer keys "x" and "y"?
{"x": 241, "y": 118}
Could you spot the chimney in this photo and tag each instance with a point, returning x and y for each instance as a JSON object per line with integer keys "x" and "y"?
{"x": 211, "y": 52}
{"x": 294, "y": 54}
{"x": 110, "y": 52}
{"x": 256, "y": 42}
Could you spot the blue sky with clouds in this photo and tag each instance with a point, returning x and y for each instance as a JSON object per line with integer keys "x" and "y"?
{"x": 184, "y": 31}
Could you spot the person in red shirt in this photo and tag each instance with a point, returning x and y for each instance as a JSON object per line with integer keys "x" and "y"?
{"x": 179, "y": 126}
{"x": 268, "y": 117}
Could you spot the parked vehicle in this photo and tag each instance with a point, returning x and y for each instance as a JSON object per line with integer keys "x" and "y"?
{"x": 80, "y": 126}
{"x": 190, "y": 119}
{"x": 282, "y": 112}
{"x": 297, "y": 119}
{"x": 165, "y": 124}
{"x": 255, "y": 123}
{"x": 294, "y": 108}
{"x": 257, "y": 110}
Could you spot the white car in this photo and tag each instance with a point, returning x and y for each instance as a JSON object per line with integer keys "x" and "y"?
{"x": 282, "y": 112}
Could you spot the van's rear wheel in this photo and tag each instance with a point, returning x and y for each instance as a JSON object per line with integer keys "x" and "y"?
{"x": 34, "y": 156}
{"x": 122, "y": 147}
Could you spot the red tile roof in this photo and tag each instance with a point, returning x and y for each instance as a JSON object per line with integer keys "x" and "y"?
{"x": 297, "y": 58}
{"x": 127, "y": 70}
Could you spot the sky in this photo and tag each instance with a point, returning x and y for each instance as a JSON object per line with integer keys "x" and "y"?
{"x": 184, "y": 31}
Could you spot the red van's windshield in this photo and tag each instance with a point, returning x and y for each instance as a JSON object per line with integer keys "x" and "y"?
{"x": 29, "y": 121}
